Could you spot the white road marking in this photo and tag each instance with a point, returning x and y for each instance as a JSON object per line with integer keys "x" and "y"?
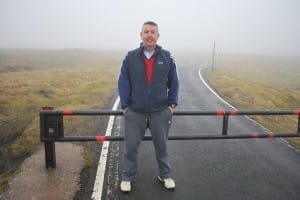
{"x": 99, "y": 180}
{"x": 228, "y": 104}
{"x": 202, "y": 79}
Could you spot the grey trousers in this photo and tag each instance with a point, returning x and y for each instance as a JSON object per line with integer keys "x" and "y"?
{"x": 135, "y": 125}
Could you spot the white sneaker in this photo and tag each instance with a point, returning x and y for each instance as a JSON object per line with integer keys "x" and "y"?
{"x": 169, "y": 183}
{"x": 125, "y": 186}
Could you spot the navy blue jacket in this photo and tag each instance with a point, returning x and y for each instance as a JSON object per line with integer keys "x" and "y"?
{"x": 134, "y": 91}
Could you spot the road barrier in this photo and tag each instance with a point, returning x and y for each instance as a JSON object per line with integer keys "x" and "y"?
{"x": 52, "y": 128}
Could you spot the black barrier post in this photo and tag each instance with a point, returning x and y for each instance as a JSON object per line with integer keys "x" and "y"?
{"x": 298, "y": 130}
{"x": 225, "y": 124}
{"x": 50, "y": 154}
{"x": 51, "y": 130}
{"x": 50, "y": 157}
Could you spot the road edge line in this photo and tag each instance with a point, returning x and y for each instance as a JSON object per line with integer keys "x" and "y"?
{"x": 99, "y": 180}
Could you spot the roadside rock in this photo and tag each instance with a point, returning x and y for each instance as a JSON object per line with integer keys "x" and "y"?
{"x": 34, "y": 181}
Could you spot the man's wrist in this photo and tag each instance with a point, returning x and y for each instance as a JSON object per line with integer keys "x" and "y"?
{"x": 124, "y": 110}
{"x": 173, "y": 105}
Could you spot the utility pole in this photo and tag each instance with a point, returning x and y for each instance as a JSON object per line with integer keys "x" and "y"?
{"x": 213, "y": 56}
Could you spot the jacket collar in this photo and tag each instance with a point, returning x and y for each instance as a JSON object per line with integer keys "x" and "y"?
{"x": 156, "y": 50}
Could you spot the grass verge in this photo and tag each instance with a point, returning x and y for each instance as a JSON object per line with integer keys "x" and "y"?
{"x": 31, "y": 79}
{"x": 260, "y": 83}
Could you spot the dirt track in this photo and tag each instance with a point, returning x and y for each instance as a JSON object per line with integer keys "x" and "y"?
{"x": 34, "y": 181}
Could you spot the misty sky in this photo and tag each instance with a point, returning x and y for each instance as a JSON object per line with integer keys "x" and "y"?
{"x": 251, "y": 26}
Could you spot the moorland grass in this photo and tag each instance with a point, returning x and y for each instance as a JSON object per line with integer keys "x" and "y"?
{"x": 31, "y": 79}
{"x": 260, "y": 83}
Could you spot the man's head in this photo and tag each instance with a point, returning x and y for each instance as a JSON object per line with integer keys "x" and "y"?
{"x": 149, "y": 35}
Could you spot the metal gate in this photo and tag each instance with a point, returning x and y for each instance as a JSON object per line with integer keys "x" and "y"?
{"x": 52, "y": 128}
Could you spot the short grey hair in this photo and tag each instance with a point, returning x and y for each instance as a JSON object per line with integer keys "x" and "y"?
{"x": 150, "y": 23}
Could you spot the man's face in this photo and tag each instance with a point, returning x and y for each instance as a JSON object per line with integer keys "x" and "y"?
{"x": 149, "y": 36}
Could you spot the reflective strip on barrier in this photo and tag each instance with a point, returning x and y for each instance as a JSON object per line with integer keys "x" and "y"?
{"x": 100, "y": 138}
{"x": 271, "y": 135}
{"x": 233, "y": 112}
{"x": 255, "y": 135}
{"x": 67, "y": 112}
{"x": 220, "y": 112}
{"x": 296, "y": 112}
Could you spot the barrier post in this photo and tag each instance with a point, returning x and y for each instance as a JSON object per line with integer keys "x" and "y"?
{"x": 298, "y": 130}
{"x": 225, "y": 124}
{"x": 50, "y": 156}
{"x": 51, "y": 129}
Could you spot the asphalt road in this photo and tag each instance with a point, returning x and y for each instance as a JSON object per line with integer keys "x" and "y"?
{"x": 209, "y": 169}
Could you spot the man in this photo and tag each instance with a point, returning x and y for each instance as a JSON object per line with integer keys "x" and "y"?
{"x": 148, "y": 88}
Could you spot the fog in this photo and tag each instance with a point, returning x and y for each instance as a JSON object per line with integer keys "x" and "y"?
{"x": 240, "y": 26}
